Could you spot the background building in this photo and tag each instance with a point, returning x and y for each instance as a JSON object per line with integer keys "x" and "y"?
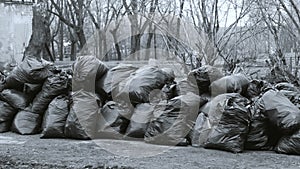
{"x": 15, "y": 29}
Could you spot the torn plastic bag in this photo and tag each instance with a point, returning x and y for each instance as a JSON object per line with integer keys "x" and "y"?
{"x": 142, "y": 115}
{"x": 230, "y": 84}
{"x": 289, "y": 144}
{"x": 176, "y": 120}
{"x": 280, "y": 111}
{"x": 114, "y": 120}
{"x": 31, "y": 70}
{"x": 109, "y": 83}
{"x": 27, "y": 123}
{"x": 227, "y": 125}
{"x": 83, "y": 117}
{"x": 53, "y": 87}
{"x": 85, "y": 72}
{"x": 16, "y": 99}
{"x": 204, "y": 76}
{"x": 145, "y": 80}
{"x": 54, "y": 121}
{"x": 7, "y": 114}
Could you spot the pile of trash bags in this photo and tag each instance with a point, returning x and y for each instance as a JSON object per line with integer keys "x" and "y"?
{"x": 149, "y": 103}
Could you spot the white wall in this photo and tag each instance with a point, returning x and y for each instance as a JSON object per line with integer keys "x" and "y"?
{"x": 15, "y": 30}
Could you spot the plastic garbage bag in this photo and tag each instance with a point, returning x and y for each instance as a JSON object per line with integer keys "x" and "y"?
{"x": 290, "y": 91}
{"x": 226, "y": 125}
{"x": 109, "y": 83}
{"x": 230, "y": 84}
{"x": 86, "y": 70}
{"x": 83, "y": 116}
{"x": 170, "y": 91}
{"x": 53, "y": 87}
{"x": 54, "y": 120}
{"x": 256, "y": 88}
{"x": 202, "y": 127}
{"x": 258, "y": 137}
{"x": 185, "y": 86}
{"x": 114, "y": 120}
{"x": 27, "y": 123}
{"x": 145, "y": 80}
{"x": 289, "y": 144}
{"x": 31, "y": 70}
{"x": 142, "y": 115}
{"x": 176, "y": 120}
{"x": 7, "y": 114}
{"x": 32, "y": 89}
{"x": 204, "y": 76}
{"x": 16, "y": 99}
{"x": 280, "y": 111}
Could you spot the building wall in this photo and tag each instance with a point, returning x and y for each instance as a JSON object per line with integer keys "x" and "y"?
{"x": 15, "y": 30}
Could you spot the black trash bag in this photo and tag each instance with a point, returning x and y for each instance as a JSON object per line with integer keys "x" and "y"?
{"x": 262, "y": 135}
{"x": 109, "y": 83}
{"x": 31, "y": 70}
{"x": 280, "y": 111}
{"x": 289, "y": 144}
{"x": 54, "y": 86}
{"x": 230, "y": 84}
{"x": 187, "y": 85}
{"x": 286, "y": 86}
{"x": 7, "y": 114}
{"x": 290, "y": 91}
{"x": 2, "y": 81}
{"x": 108, "y": 86}
{"x": 83, "y": 117}
{"x": 258, "y": 135}
{"x": 54, "y": 121}
{"x": 101, "y": 71}
{"x": 170, "y": 91}
{"x": 11, "y": 83}
{"x": 175, "y": 122}
{"x": 145, "y": 80}
{"x": 202, "y": 127}
{"x": 27, "y": 122}
{"x": 204, "y": 76}
{"x": 85, "y": 72}
{"x": 114, "y": 120}
{"x": 32, "y": 89}
{"x": 16, "y": 99}
{"x": 256, "y": 88}
{"x": 226, "y": 125}
{"x": 142, "y": 115}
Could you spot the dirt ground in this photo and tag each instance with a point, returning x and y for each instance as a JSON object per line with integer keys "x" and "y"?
{"x": 32, "y": 152}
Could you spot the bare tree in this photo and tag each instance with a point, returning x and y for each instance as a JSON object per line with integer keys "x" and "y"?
{"x": 207, "y": 20}
{"x": 74, "y": 18}
{"x": 40, "y": 39}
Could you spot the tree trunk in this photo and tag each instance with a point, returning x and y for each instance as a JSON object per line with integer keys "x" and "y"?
{"x": 61, "y": 42}
{"x": 73, "y": 51}
{"x": 81, "y": 37}
{"x": 117, "y": 46}
{"x": 40, "y": 38}
{"x": 148, "y": 45}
